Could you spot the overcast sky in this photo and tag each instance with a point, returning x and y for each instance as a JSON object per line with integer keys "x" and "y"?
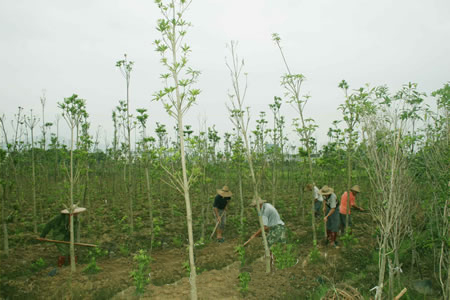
{"x": 68, "y": 47}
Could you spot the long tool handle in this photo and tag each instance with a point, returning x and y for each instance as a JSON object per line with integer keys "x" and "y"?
{"x": 64, "y": 242}
{"x": 217, "y": 224}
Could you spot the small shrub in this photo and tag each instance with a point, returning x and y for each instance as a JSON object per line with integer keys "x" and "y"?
{"x": 284, "y": 255}
{"x": 314, "y": 255}
{"x": 177, "y": 242}
{"x": 38, "y": 265}
{"x": 92, "y": 267}
{"x": 141, "y": 275}
{"x": 244, "y": 279}
{"x": 348, "y": 240}
{"x": 241, "y": 251}
{"x": 124, "y": 250}
{"x": 187, "y": 268}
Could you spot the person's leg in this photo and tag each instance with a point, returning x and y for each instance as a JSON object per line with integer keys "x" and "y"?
{"x": 221, "y": 226}
{"x": 334, "y": 227}
{"x": 342, "y": 223}
{"x": 61, "y": 260}
{"x": 333, "y": 239}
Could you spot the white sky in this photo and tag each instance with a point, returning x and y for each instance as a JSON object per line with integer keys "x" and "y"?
{"x": 68, "y": 47}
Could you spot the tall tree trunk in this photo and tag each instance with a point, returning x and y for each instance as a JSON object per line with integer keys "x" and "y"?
{"x": 150, "y": 206}
{"x": 33, "y": 184}
{"x": 73, "y": 268}
{"x": 4, "y": 224}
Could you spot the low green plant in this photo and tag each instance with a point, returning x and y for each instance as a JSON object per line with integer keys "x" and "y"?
{"x": 38, "y": 265}
{"x": 244, "y": 279}
{"x": 348, "y": 240}
{"x": 314, "y": 255}
{"x": 92, "y": 267}
{"x": 124, "y": 224}
{"x": 138, "y": 224}
{"x": 241, "y": 251}
{"x": 141, "y": 275}
{"x": 187, "y": 268}
{"x": 284, "y": 255}
{"x": 177, "y": 242}
{"x": 124, "y": 250}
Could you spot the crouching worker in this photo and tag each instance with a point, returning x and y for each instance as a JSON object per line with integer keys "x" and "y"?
{"x": 273, "y": 223}
{"x": 59, "y": 227}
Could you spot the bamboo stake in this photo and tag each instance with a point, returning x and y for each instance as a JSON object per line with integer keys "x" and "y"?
{"x": 401, "y": 294}
{"x": 64, "y": 242}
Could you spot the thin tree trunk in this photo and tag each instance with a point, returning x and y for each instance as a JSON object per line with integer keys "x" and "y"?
{"x": 72, "y": 238}
{"x": 4, "y": 224}
{"x": 33, "y": 174}
{"x": 150, "y": 206}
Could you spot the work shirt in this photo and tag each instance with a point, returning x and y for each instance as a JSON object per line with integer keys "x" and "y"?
{"x": 221, "y": 202}
{"x": 270, "y": 215}
{"x": 317, "y": 195}
{"x": 343, "y": 207}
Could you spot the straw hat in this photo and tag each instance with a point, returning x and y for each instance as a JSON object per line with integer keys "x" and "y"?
{"x": 75, "y": 209}
{"x": 260, "y": 201}
{"x": 326, "y": 190}
{"x": 355, "y": 188}
{"x": 225, "y": 192}
{"x": 308, "y": 187}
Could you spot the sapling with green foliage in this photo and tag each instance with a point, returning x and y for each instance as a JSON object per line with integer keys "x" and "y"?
{"x": 305, "y": 127}
{"x": 284, "y": 254}
{"x": 126, "y": 67}
{"x": 141, "y": 273}
{"x": 240, "y": 118}
{"x": 92, "y": 267}
{"x": 355, "y": 105}
{"x": 244, "y": 279}
{"x": 73, "y": 111}
{"x": 31, "y": 122}
{"x": 149, "y": 155}
{"x": 178, "y": 95}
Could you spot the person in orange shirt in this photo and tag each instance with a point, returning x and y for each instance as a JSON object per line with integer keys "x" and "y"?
{"x": 354, "y": 191}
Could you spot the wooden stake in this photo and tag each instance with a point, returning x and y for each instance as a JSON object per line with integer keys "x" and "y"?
{"x": 64, "y": 242}
{"x": 401, "y": 294}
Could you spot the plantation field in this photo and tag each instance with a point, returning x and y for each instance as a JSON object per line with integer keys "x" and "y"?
{"x": 133, "y": 208}
{"x": 351, "y": 269}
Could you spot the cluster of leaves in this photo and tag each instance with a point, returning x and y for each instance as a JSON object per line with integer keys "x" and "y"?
{"x": 285, "y": 255}
{"x": 141, "y": 274}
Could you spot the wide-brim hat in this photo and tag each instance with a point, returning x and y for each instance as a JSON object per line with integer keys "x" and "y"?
{"x": 75, "y": 210}
{"x": 260, "y": 201}
{"x": 308, "y": 187}
{"x": 326, "y": 190}
{"x": 225, "y": 192}
{"x": 355, "y": 188}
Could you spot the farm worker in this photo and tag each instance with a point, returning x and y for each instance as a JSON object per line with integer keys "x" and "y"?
{"x": 272, "y": 222}
{"x": 354, "y": 191}
{"x": 60, "y": 228}
{"x": 331, "y": 214}
{"x": 318, "y": 199}
{"x": 220, "y": 208}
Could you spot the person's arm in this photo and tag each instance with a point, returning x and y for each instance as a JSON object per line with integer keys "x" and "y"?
{"x": 52, "y": 224}
{"x": 358, "y": 207}
{"x": 329, "y": 214}
{"x": 216, "y": 212}
{"x": 255, "y": 235}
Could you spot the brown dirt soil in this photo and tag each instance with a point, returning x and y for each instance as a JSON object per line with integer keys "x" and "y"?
{"x": 218, "y": 270}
